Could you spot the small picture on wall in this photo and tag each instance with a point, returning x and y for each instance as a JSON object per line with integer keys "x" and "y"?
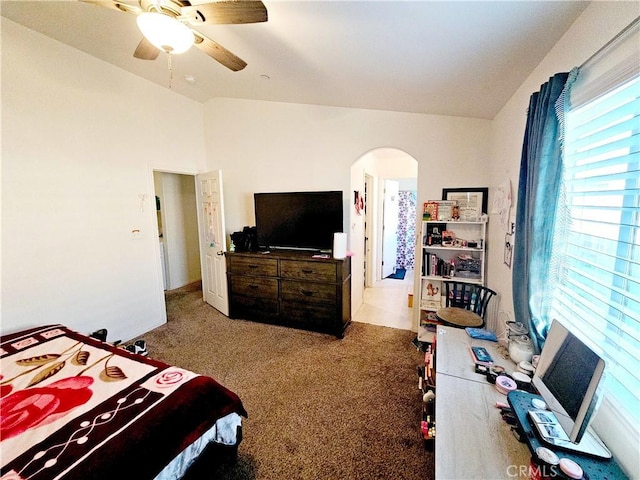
{"x": 508, "y": 250}
{"x": 358, "y": 202}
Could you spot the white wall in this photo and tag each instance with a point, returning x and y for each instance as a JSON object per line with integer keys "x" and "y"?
{"x": 599, "y": 23}
{"x": 79, "y": 141}
{"x": 267, "y": 146}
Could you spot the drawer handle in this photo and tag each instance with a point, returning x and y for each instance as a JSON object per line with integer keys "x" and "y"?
{"x": 307, "y": 271}
{"x": 253, "y": 266}
{"x": 307, "y": 293}
{"x": 254, "y": 287}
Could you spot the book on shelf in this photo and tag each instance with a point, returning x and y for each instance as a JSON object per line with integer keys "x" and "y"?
{"x": 437, "y": 267}
{"x": 433, "y": 264}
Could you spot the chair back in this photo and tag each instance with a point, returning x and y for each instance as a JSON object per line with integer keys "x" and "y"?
{"x": 469, "y": 296}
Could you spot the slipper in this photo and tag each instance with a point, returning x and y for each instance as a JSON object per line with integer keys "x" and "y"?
{"x": 100, "y": 335}
{"x": 141, "y": 347}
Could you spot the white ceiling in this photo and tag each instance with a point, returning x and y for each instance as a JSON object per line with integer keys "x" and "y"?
{"x": 462, "y": 58}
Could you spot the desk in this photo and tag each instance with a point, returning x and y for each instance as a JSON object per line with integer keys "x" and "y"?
{"x": 454, "y": 354}
{"x": 472, "y": 441}
{"x": 459, "y": 317}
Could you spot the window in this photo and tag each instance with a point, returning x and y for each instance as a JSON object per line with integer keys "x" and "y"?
{"x": 597, "y": 237}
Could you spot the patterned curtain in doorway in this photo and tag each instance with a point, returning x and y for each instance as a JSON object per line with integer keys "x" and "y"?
{"x": 406, "y": 230}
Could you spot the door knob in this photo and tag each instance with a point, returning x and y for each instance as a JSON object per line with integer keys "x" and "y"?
{"x": 220, "y": 253}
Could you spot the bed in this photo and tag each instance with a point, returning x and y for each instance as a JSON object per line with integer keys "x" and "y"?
{"x": 73, "y": 407}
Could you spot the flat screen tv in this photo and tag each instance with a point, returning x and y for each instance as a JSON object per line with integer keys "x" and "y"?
{"x": 567, "y": 378}
{"x": 298, "y": 220}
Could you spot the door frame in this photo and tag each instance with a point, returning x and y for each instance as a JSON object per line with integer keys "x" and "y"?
{"x": 156, "y": 245}
{"x": 369, "y": 231}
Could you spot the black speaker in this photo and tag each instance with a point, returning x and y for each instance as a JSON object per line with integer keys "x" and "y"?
{"x": 246, "y": 240}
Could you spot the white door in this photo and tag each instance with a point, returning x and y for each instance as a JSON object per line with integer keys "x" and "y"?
{"x": 213, "y": 243}
{"x": 390, "y": 227}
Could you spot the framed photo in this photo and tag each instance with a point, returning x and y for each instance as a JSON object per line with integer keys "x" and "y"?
{"x": 472, "y": 202}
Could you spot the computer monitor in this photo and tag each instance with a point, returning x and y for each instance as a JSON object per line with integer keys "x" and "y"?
{"x": 567, "y": 377}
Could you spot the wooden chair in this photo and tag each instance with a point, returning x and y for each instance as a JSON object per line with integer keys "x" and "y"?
{"x": 469, "y": 296}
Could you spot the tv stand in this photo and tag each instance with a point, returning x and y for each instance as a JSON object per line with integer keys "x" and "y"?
{"x": 294, "y": 288}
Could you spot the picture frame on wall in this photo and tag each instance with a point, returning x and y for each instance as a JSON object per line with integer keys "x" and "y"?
{"x": 472, "y": 202}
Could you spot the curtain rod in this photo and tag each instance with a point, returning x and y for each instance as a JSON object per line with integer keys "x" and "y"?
{"x": 607, "y": 45}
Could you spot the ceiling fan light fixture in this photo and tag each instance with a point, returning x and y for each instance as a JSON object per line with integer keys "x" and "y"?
{"x": 165, "y": 32}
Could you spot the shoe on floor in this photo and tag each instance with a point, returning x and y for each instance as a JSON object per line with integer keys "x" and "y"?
{"x": 100, "y": 335}
{"x": 141, "y": 347}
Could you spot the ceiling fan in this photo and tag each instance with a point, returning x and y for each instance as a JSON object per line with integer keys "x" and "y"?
{"x": 167, "y": 25}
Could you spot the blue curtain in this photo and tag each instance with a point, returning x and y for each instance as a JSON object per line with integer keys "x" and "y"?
{"x": 538, "y": 192}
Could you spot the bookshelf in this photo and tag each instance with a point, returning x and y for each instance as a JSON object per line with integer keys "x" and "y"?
{"x": 451, "y": 250}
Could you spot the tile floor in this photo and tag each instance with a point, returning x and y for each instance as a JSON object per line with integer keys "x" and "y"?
{"x": 386, "y": 303}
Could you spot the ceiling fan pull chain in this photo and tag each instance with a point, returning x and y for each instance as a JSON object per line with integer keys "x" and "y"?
{"x": 170, "y": 67}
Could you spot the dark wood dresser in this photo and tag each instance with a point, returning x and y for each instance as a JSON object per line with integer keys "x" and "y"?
{"x": 291, "y": 288}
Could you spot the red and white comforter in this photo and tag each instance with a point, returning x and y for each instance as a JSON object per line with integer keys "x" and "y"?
{"x": 74, "y": 407}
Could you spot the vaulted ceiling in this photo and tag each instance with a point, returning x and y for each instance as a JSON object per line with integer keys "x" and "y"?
{"x": 461, "y": 58}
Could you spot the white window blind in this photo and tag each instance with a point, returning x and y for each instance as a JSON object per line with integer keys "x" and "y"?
{"x": 598, "y": 246}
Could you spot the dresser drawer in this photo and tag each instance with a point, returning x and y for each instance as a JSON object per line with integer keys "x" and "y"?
{"x": 243, "y": 306}
{"x": 254, "y": 286}
{"x": 316, "y": 316}
{"x": 267, "y": 267}
{"x": 301, "y": 270}
{"x": 308, "y": 292}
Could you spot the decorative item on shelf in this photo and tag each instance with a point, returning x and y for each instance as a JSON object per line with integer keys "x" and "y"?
{"x": 440, "y": 210}
{"x": 455, "y": 213}
{"x": 445, "y": 210}
{"x": 466, "y": 266}
{"x": 430, "y": 211}
{"x": 471, "y": 201}
{"x": 448, "y": 238}
{"x": 434, "y": 234}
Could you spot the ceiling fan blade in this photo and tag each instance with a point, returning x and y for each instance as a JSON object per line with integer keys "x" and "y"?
{"x": 146, "y": 51}
{"x": 218, "y": 52}
{"x": 226, "y": 12}
{"x": 114, "y": 5}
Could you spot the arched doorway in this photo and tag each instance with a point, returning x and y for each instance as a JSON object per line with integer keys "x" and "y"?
{"x": 376, "y": 299}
